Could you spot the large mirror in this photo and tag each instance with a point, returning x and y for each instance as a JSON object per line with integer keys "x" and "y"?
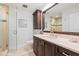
{"x": 63, "y": 17}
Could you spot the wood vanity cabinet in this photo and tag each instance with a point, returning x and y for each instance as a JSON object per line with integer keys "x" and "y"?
{"x": 45, "y": 48}
{"x": 38, "y": 46}
{"x": 49, "y": 49}
{"x": 41, "y": 48}
{"x": 38, "y": 18}
{"x": 60, "y": 51}
{"x": 35, "y": 45}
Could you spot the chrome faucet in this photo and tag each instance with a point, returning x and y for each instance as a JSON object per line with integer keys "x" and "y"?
{"x": 41, "y": 31}
{"x": 52, "y": 33}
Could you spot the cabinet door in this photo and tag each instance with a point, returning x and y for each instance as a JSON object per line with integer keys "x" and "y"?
{"x": 43, "y": 20}
{"x": 48, "y": 49}
{"x": 38, "y": 20}
{"x": 35, "y": 21}
{"x": 35, "y": 45}
{"x": 41, "y": 48}
{"x": 38, "y": 46}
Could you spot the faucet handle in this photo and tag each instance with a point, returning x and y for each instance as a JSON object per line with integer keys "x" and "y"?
{"x": 41, "y": 31}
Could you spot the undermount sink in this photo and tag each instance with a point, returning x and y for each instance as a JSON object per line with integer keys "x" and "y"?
{"x": 75, "y": 40}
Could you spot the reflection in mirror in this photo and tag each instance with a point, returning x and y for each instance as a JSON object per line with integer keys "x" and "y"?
{"x": 56, "y": 23}
{"x": 63, "y": 17}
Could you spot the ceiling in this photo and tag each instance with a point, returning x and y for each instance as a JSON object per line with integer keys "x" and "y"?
{"x": 31, "y": 6}
{"x": 55, "y": 11}
{"x": 61, "y": 7}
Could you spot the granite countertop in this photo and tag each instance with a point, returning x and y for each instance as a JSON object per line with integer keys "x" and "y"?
{"x": 61, "y": 40}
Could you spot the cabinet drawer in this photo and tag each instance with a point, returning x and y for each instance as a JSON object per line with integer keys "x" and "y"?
{"x": 64, "y": 52}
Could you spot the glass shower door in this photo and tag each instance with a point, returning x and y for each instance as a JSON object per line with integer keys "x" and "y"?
{"x": 3, "y": 26}
{"x": 3, "y": 34}
{"x": 0, "y": 35}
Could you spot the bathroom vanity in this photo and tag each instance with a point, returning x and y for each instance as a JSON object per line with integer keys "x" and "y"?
{"x": 57, "y": 45}
{"x": 61, "y": 43}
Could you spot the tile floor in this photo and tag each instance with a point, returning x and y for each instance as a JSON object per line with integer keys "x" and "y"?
{"x": 21, "y": 53}
{"x": 28, "y": 51}
{"x": 17, "y": 53}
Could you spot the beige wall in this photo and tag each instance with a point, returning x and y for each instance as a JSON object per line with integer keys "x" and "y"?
{"x": 4, "y": 16}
